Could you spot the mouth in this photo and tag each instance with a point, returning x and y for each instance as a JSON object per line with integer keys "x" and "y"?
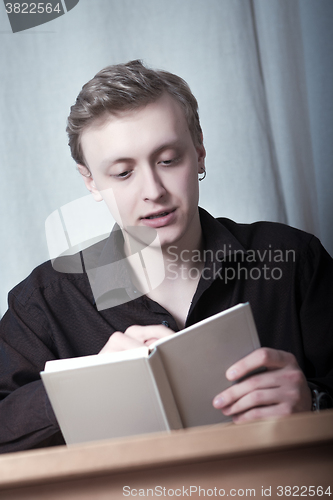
{"x": 160, "y": 219}
{"x": 158, "y": 214}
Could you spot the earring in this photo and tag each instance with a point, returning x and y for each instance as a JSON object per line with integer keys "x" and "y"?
{"x": 204, "y": 175}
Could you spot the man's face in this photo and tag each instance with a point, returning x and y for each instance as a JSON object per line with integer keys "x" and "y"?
{"x": 146, "y": 162}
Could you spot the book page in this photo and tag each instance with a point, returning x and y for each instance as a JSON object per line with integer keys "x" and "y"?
{"x": 196, "y": 359}
{"x": 96, "y": 359}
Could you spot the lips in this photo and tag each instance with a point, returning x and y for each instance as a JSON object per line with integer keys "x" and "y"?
{"x": 158, "y": 214}
{"x": 160, "y": 219}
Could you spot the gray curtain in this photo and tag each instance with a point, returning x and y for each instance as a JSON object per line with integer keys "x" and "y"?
{"x": 261, "y": 71}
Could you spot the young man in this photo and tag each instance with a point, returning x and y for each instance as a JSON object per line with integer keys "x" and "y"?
{"x": 136, "y": 138}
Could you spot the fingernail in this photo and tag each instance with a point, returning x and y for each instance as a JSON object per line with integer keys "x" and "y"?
{"x": 231, "y": 374}
{"x": 218, "y": 402}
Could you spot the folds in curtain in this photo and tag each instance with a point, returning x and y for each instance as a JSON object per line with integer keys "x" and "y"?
{"x": 277, "y": 29}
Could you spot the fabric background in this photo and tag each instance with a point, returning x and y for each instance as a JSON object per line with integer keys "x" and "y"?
{"x": 262, "y": 72}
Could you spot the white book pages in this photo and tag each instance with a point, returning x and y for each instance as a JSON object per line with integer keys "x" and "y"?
{"x": 96, "y": 359}
{"x": 196, "y": 359}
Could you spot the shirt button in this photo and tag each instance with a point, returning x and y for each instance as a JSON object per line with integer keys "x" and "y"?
{"x": 165, "y": 323}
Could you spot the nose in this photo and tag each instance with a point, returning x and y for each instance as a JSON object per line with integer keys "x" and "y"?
{"x": 151, "y": 185}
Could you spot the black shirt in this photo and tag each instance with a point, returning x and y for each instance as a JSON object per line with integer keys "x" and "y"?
{"x": 284, "y": 273}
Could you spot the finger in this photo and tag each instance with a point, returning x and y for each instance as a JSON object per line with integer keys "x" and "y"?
{"x": 150, "y": 341}
{"x": 286, "y": 401}
{"x": 260, "y": 358}
{"x": 120, "y": 342}
{"x": 260, "y": 381}
{"x": 286, "y": 385}
{"x": 277, "y": 410}
{"x": 259, "y": 398}
{"x": 149, "y": 333}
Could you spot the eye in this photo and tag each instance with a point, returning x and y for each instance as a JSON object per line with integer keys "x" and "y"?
{"x": 169, "y": 162}
{"x": 123, "y": 175}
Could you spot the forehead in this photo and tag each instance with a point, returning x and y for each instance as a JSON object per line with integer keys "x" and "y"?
{"x": 133, "y": 131}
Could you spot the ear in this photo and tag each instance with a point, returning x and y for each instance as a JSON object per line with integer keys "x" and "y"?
{"x": 89, "y": 182}
{"x": 201, "y": 152}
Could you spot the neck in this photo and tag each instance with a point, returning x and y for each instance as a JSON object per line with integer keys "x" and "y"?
{"x": 179, "y": 262}
{"x": 187, "y": 251}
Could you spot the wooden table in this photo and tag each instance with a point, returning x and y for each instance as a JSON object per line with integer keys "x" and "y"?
{"x": 248, "y": 460}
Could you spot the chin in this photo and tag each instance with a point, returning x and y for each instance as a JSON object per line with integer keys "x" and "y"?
{"x": 171, "y": 240}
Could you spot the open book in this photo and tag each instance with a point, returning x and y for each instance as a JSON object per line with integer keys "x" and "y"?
{"x": 169, "y": 385}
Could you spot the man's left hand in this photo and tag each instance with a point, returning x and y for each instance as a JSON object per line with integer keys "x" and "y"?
{"x": 280, "y": 390}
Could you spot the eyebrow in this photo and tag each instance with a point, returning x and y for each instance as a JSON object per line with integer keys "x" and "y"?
{"x": 109, "y": 162}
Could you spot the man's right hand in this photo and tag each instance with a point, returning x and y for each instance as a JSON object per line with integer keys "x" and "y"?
{"x": 135, "y": 336}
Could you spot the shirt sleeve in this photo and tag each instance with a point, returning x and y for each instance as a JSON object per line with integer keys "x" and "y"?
{"x": 316, "y": 314}
{"x": 27, "y": 419}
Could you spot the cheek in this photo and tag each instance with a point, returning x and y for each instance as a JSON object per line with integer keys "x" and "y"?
{"x": 189, "y": 183}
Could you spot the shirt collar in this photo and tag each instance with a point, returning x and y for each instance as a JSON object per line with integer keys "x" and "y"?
{"x": 221, "y": 243}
